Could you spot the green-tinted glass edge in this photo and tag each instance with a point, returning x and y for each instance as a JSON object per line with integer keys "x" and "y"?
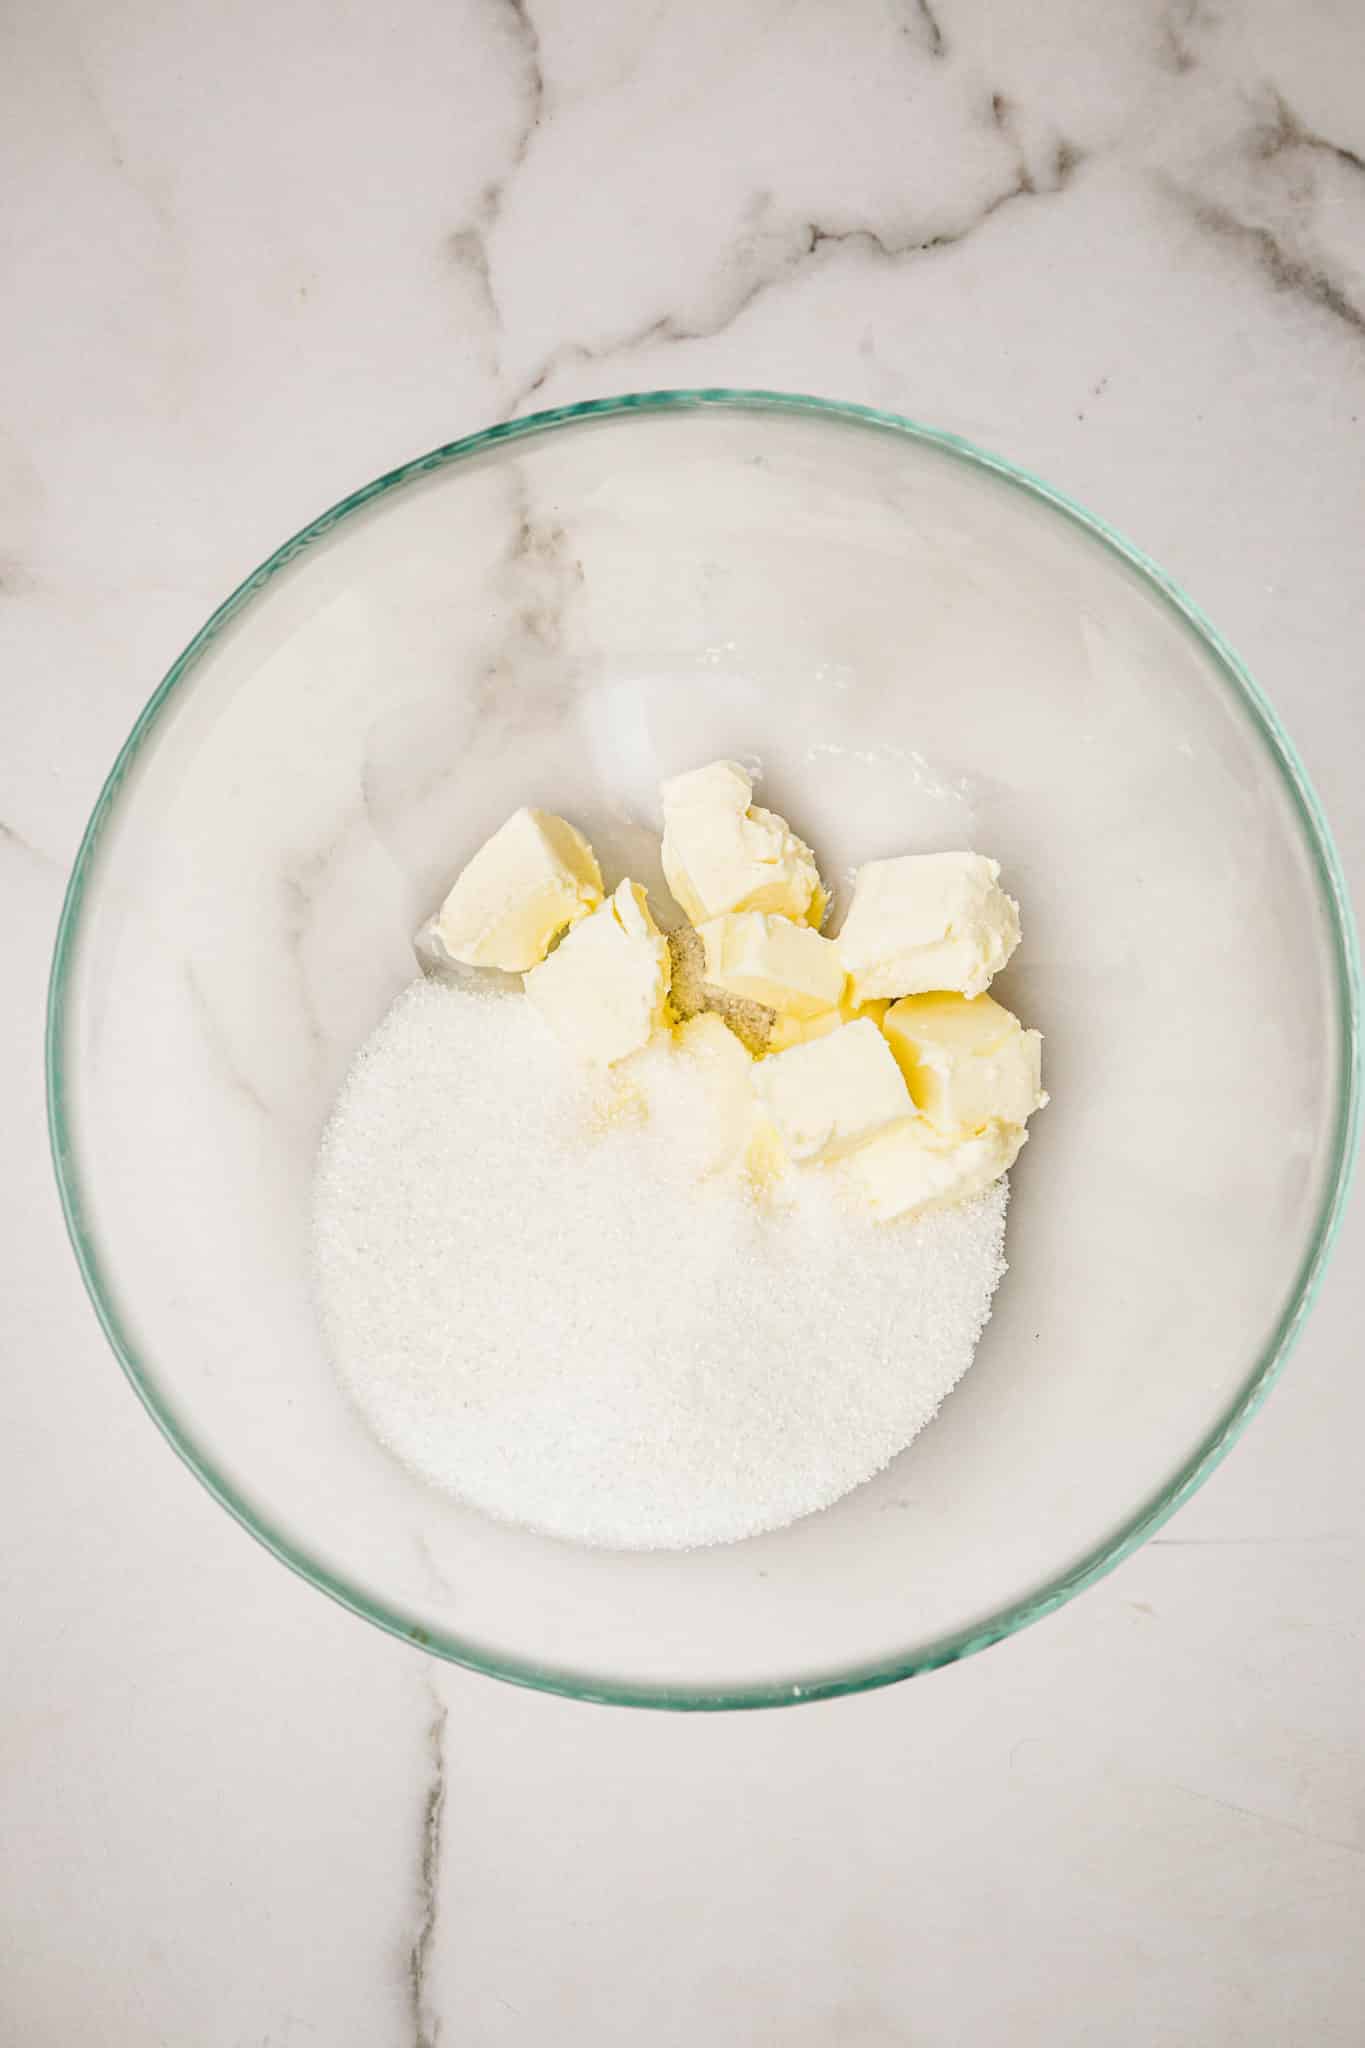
{"x": 1104, "y": 1558}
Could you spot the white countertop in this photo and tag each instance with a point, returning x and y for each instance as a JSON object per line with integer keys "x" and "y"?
{"x": 256, "y": 256}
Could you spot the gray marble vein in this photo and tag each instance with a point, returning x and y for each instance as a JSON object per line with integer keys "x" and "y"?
{"x": 1281, "y": 130}
{"x": 467, "y": 246}
{"x": 773, "y": 256}
{"x": 425, "y": 2021}
{"x": 10, "y": 837}
{"x": 301, "y": 881}
{"x": 1175, "y": 36}
{"x": 1285, "y": 268}
{"x": 1062, "y": 165}
{"x": 467, "y": 249}
{"x": 527, "y": 36}
{"x": 923, "y": 26}
{"x": 535, "y": 582}
{"x": 1283, "y": 194}
{"x": 212, "y": 1037}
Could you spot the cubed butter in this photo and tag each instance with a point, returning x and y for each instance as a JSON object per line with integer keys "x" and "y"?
{"x": 912, "y": 1167}
{"x": 827, "y": 1097}
{"x": 927, "y": 921}
{"x": 524, "y": 886}
{"x": 770, "y": 960}
{"x": 967, "y": 1061}
{"x": 723, "y": 852}
{"x": 604, "y": 987}
{"x": 789, "y": 1031}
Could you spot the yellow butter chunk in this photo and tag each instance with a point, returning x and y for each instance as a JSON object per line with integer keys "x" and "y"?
{"x": 788, "y": 1030}
{"x": 829, "y": 1096}
{"x": 723, "y": 852}
{"x": 967, "y": 1061}
{"x": 524, "y": 886}
{"x": 927, "y": 921}
{"x": 603, "y": 988}
{"x": 770, "y": 960}
{"x": 912, "y": 1167}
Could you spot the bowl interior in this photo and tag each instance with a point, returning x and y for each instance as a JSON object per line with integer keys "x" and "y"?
{"x": 920, "y": 652}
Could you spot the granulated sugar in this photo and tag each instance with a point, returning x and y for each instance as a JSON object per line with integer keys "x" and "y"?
{"x": 546, "y": 1316}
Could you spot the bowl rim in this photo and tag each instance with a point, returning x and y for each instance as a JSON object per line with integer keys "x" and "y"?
{"x": 1137, "y": 1527}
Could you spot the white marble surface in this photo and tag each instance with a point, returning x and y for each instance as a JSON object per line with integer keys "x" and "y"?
{"x": 256, "y": 256}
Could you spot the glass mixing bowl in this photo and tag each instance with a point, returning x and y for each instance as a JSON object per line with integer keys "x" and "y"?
{"x": 924, "y": 649}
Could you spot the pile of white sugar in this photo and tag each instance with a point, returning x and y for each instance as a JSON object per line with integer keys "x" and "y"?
{"x": 548, "y": 1317}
